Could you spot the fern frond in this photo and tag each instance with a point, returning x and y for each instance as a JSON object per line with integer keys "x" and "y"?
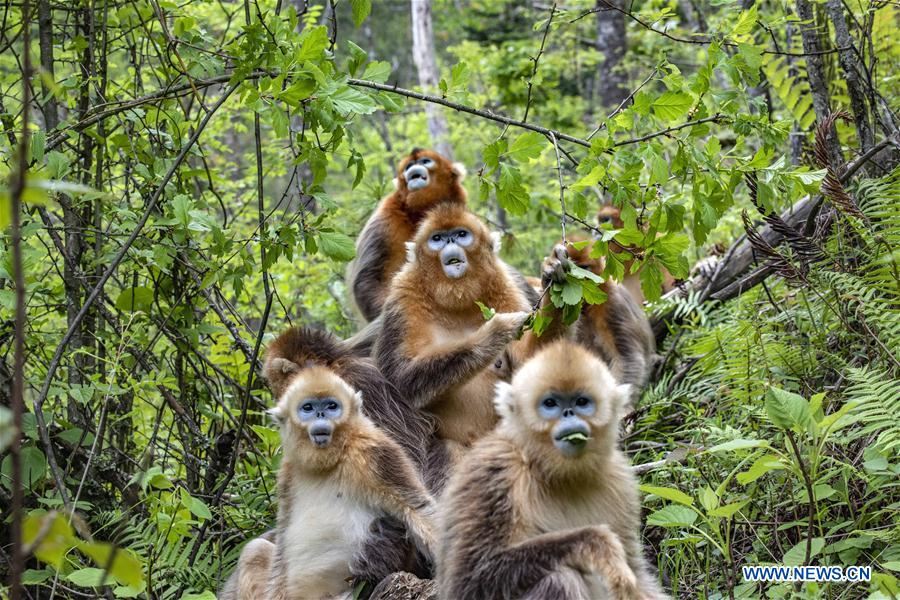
{"x": 878, "y": 396}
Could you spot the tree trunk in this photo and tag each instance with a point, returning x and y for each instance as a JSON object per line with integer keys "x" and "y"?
{"x": 425, "y": 59}
{"x": 851, "y": 69}
{"x": 815, "y": 73}
{"x": 612, "y": 43}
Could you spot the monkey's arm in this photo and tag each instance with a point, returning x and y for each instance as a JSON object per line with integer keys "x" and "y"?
{"x": 395, "y": 486}
{"x": 423, "y": 378}
{"x": 515, "y": 570}
{"x": 366, "y": 274}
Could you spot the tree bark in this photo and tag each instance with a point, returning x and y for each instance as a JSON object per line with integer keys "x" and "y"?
{"x": 424, "y": 56}
{"x": 851, "y": 69}
{"x": 612, "y": 43}
{"x": 815, "y": 73}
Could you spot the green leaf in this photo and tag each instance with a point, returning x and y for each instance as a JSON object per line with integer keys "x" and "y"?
{"x": 511, "y": 194}
{"x": 797, "y": 555}
{"x": 486, "y": 311}
{"x": 348, "y": 101}
{"x": 571, "y": 293}
{"x": 762, "y": 465}
{"x": 336, "y": 245}
{"x": 34, "y": 468}
{"x": 673, "y": 515}
{"x": 138, "y": 298}
{"x": 668, "y": 493}
{"x": 728, "y": 510}
{"x": 787, "y": 409}
{"x": 672, "y": 105}
{"x": 314, "y": 40}
{"x": 591, "y": 179}
{"x": 361, "y": 10}
{"x": 527, "y": 146}
{"x": 89, "y": 577}
{"x": 739, "y": 444}
{"x": 377, "y": 71}
{"x": 35, "y": 576}
{"x": 122, "y": 563}
{"x": 58, "y": 538}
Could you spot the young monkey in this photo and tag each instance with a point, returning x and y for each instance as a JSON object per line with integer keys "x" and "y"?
{"x": 339, "y": 473}
{"x": 546, "y": 506}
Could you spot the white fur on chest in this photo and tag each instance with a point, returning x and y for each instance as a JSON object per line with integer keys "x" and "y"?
{"x": 327, "y": 526}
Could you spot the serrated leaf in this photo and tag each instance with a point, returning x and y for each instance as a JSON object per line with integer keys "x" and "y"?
{"x": 672, "y": 105}
{"x": 787, "y": 409}
{"x": 360, "y": 10}
{"x": 511, "y": 194}
{"x": 377, "y": 71}
{"x": 336, "y": 245}
{"x": 668, "y": 493}
{"x": 674, "y": 515}
{"x": 591, "y": 179}
{"x": 527, "y": 146}
{"x": 570, "y": 293}
{"x": 348, "y": 101}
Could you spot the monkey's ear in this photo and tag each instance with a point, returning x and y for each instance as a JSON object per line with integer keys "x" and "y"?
{"x": 281, "y": 366}
{"x": 396, "y": 182}
{"x": 496, "y": 241}
{"x": 277, "y": 413}
{"x": 459, "y": 170}
{"x": 503, "y": 400}
{"x": 410, "y": 252}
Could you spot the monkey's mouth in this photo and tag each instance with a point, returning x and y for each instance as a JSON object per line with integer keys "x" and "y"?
{"x": 416, "y": 177}
{"x": 320, "y": 436}
{"x": 453, "y": 259}
{"x": 572, "y": 441}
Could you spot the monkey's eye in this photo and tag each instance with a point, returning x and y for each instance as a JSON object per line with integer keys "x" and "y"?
{"x": 435, "y": 238}
{"x": 582, "y": 401}
{"x": 605, "y": 219}
{"x": 332, "y": 406}
{"x": 549, "y": 403}
{"x": 427, "y": 162}
{"x": 462, "y": 234}
{"x": 307, "y": 407}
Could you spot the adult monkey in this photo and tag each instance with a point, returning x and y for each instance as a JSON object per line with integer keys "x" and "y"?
{"x": 546, "y": 507}
{"x": 617, "y": 330}
{"x": 435, "y": 345}
{"x": 424, "y": 179}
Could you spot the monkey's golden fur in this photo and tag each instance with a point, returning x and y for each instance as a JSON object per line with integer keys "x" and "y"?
{"x": 435, "y": 345}
{"x": 328, "y": 498}
{"x": 519, "y": 519}
{"x": 381, "y": 246}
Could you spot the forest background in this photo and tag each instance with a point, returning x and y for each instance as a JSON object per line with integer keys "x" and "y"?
{"x": 182, "y": 180}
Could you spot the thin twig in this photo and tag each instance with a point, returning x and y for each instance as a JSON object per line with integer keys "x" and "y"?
{"x": 562, "y": 189}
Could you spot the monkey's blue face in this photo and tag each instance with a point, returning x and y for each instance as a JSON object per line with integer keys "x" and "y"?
{"x": 417, "y": 173}
{"x": 318, "y": 415}
{"x": 450, "y": 246}
{"x": 569, "y": 410}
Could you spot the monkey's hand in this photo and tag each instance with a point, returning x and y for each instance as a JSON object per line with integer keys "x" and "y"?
{"x": 555, "y": 266}
{"x": 507, "y": 326}
{"x": 606, "y": 556}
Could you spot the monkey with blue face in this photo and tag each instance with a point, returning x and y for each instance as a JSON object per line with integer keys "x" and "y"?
{"x": 546, "y": 506}
{"x": 339, "y": 475}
